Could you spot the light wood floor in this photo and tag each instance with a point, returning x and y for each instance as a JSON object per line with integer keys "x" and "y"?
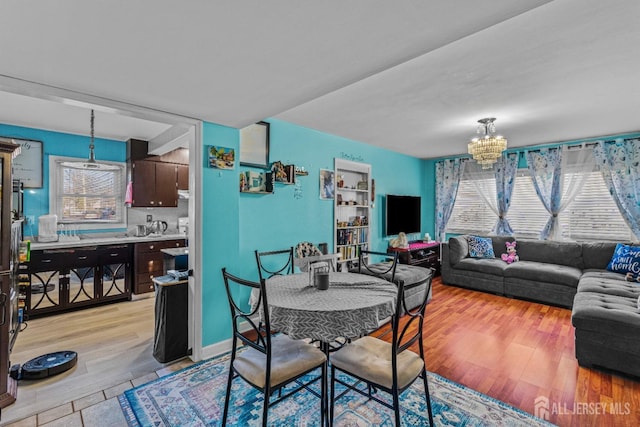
{"x": 114, "y": 345}
{"x": 516, "y": 351}
{"x": 512, "y": 350}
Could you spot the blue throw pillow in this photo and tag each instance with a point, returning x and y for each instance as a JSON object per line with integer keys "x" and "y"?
{"x": 480, "y": 247}
{"x": 625, "y": 259}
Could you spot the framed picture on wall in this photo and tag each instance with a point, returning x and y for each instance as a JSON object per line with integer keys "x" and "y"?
{"x": 327, "y": 189}
{"x": 27, "y": 166}
{"x": 221, "y": 157}
{"x": 254, "y": 145}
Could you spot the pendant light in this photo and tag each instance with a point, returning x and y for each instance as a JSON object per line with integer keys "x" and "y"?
{"x": 91, "y": 163}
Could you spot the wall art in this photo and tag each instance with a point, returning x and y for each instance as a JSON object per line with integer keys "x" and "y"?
{"x": 221, "y": 157}
{"x": 254, "y": 145}
{"x": 27, "y": 166}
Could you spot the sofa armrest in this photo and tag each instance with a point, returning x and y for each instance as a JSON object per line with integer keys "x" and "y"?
{"x": 458, "y": 249}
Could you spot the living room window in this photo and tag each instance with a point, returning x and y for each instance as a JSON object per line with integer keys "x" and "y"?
{"x": 593, "y": 215}
{"x": 87, "y": 198}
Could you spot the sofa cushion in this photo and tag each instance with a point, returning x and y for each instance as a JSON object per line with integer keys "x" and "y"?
{"x": 405, "y": 274}
{"x": 546, "y": 251}
{"x": 483, "y": 265}
{"x": 625, "y": 259}
{"x": 597, "y": 254}
{"x": 480, "y": 247}
{"x": 458, "y": 249}
{"x": 609, "y": 314}
{"x": 607, "y": 283}
{"x": 543, "y": 272}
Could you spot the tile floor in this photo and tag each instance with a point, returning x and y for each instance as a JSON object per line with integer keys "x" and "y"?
{"x": 97, "y": 409}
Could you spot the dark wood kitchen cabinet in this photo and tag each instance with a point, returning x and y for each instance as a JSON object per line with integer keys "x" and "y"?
{"x": 148, "y": 262}
{"x": 155, "y": 184}
{"x": 70, "y": 278}
{"x": 183, "y": 177}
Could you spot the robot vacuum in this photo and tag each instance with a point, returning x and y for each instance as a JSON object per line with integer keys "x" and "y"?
{"x": 45, "y": 366}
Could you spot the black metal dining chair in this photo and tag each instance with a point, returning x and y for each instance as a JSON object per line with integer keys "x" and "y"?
{"x": 268, "y": 363}
{"x": 385, "y": 268}
{"x": 271, "y": 263}
{"x": 387, "y": 366}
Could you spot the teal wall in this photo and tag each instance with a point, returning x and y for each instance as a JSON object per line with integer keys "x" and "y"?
{"x": 236, "y": 224}
{"x": 36, "y": 200}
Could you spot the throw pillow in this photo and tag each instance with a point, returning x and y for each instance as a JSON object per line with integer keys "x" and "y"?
{"x": 480, "y": 247}
{"x": 625, "y": 259}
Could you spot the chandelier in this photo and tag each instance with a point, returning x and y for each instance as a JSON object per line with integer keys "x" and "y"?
{"x": 488, "y": 148}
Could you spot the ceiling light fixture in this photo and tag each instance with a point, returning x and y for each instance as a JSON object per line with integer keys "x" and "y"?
{"x": 488, "y": 148}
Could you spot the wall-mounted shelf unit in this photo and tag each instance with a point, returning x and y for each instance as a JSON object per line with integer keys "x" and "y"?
{"x": 352, "y": 230}
{"x": 256, "y": 182}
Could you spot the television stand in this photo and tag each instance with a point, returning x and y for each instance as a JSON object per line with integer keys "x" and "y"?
{"x": 422, "y": 254}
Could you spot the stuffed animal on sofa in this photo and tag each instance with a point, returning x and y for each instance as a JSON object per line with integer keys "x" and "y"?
{"x": 511, "y": 255}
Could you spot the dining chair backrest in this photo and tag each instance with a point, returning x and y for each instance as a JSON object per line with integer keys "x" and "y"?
{"x": 409, "y": 331}
{"x": 388, "y": 366}
{"x": 272, "y": 263}
{"x": 384, "y": 269}
{"x": 251, "y": 334}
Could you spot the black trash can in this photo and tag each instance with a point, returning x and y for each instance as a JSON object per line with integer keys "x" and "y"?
{"x": 170, "y": 341}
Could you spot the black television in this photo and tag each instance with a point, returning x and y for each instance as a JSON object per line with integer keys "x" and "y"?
{"x": 402, "y": 214}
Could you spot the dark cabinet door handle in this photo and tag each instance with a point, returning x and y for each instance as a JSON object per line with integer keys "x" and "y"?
{"x": 115, "y": 254}
{"x": 82, "y": 257}
{"x": 3, "y": 302}
{"x": 45, "y": 260}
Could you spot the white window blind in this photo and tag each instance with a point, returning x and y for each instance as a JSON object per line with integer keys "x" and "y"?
{"x": 593, "y": 215}
{"x": 87, "y": 196}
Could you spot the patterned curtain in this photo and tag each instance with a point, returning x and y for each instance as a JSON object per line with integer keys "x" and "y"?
{"x": 505, "y": 171}
{"x": 448, "y": 174}
{"x": 619, "y": 163}
{"x": 550, "y": 169}
{"x": 501, "y": 179}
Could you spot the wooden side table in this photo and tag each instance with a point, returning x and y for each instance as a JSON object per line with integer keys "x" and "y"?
{"x": 423, "y": 254}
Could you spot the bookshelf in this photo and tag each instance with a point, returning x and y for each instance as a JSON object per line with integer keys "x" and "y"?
{"x": 352, "y": 204}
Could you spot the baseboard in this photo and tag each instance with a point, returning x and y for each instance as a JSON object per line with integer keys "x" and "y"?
{"x": 222, "y": 347}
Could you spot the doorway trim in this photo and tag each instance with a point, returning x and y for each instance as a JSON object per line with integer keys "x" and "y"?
{"x": 51, "y": 93}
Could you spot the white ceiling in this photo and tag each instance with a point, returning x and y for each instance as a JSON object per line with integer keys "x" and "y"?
{"x": 410, "y": 76}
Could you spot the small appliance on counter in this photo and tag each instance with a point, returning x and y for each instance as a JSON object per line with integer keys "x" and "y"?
{"x": 48, "y": 228}
{"x": 157, "y": 227}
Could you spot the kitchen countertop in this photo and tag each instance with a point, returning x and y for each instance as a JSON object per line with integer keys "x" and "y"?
{"x": 89, "y": 240}
{"x": 175, "y": 251}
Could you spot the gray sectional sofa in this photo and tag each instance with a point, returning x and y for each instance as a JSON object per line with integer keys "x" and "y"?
{"x": 604, "y": 305}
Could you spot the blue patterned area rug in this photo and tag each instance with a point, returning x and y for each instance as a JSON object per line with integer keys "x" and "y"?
{"x": 194, "y": 396}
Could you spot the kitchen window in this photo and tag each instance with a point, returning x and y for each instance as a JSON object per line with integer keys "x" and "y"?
{"x": 87, "y": 198}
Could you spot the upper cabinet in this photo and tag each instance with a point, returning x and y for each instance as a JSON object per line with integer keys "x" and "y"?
{"x": 155, "y": 184}
{"x": 157, "y": 179}
{"x": 183, "y": 177}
